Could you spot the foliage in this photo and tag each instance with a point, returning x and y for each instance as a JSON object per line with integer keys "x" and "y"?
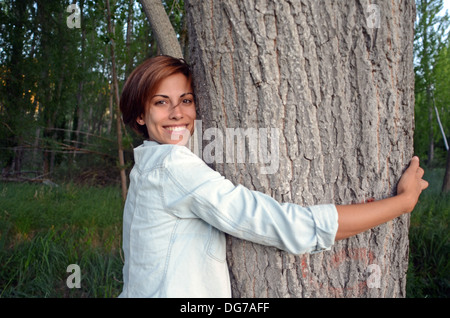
{"x": 432, "y": 86}
{"x": 429, "y": 265}
{"x": 429, "y": 236}
{"x": 56, "y": 105}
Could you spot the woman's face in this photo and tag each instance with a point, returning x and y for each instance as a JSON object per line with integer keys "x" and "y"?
{"x": 170, "y": 112}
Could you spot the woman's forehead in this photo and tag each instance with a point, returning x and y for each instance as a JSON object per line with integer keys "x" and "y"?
{"x": 176, "y": 84}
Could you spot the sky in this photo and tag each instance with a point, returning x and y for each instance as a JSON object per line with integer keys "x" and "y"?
{"x": 446, "y": 6}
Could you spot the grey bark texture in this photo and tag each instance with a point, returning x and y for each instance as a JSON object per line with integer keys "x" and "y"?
{"x": 336, "y": 78}
{"x": 162, "y": 28}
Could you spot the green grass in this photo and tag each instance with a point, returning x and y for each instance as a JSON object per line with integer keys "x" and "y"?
{"x": 429, "y": 265}
{"x": 43, "y": 230}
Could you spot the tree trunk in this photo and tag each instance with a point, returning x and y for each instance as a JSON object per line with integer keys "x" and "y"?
{"x": 123, "y": 177}
{"x": 128, "y": 40}
{"x": 162, "y": 28}
{"x": 336, "y": 79}
{"x": 78, "y": 114}
{"x": 446, "y": 183}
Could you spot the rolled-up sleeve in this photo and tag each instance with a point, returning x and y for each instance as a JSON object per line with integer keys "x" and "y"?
{"x": 195, "y": 190}
{"x": 326, "y": 225}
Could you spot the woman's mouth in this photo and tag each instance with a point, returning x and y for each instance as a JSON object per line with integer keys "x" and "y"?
{"x": 178, "y": 129}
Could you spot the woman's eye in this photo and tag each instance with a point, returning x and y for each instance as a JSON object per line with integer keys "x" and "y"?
{"x": 161, "y": 102}
{"x": 187, "y": 101}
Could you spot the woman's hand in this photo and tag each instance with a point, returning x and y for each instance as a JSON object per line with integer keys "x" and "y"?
{"x": 356, "y": 218}
{"x": 411, "y": 185}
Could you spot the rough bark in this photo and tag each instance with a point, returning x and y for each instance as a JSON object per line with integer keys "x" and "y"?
{"x": 340, "y": 89}
{"x": 162, "y": 28}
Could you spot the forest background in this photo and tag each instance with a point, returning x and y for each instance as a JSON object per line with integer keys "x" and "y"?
{"x": 62, "y": 67}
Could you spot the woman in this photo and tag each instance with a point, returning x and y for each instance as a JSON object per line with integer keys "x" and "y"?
{"x": 178, "y": 209}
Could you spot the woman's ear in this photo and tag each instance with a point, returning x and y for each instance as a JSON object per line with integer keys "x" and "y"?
{"x": 140, "y": 120}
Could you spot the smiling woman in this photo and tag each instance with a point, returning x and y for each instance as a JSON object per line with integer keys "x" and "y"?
{"x": 168, "y": 121}
{"x": 151, "y": 84}
{"x": 178, "y": 209}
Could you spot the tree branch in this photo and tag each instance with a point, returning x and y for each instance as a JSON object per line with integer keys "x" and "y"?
{"x": 162, "y": 28}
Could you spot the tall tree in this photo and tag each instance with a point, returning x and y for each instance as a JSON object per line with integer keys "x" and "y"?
{"x": 115, "y": 87}
{"x": 442, "y": 104}
{"x": 430, "y": 34}
{"x": 20, "y": 42}
{"x": 56, "y": 83}
{"x": 55, "y": 79}
{"x": 336, "y": 79}
{"x": 78, "y": 113}
{"x": 14, "y": 105}
{"x": 446, "y": 182}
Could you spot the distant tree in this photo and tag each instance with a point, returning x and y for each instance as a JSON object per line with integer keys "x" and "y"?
{"x": 446, "y": 183}
{"x": 115, "y": 88}
{"x": 57, "y": 84}
{"x": 431, "y": 36}
{"x": 16, "y": 83}
{"x": 442, "y": 104}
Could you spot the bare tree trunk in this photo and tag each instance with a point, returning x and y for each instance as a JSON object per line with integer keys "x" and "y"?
{"x": 18, "y": 157}
{"x": 111, "y": 111}
{"x": 162, "y": 28}
{"x": 129, "y": 58}
{"x": 35, "y": 161}
{"x": 446, "y": 184}
{"x": 91, "y": 124}
{"x": 123, "y": 176}
{"x": 431, "y": 129}
{"x": 79, "y": 105}
{"x": 336, "y": 79}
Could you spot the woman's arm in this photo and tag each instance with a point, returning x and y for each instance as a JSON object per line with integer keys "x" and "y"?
{"x": 356, "y": 218}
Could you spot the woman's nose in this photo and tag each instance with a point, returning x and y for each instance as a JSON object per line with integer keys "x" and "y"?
{"x": 176, "y": 112}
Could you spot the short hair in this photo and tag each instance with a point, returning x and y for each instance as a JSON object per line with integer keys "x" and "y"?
{"x": 143, "y": 83}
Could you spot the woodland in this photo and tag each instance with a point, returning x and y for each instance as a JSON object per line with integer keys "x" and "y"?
{"x": 62, "y": 67}
{"x": 66, "y": 155}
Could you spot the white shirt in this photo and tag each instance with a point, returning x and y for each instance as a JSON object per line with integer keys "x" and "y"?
{"x": 175, "y": 216}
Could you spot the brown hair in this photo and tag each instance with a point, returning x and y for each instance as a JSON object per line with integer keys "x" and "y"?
{"x": 143, "y": 83}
